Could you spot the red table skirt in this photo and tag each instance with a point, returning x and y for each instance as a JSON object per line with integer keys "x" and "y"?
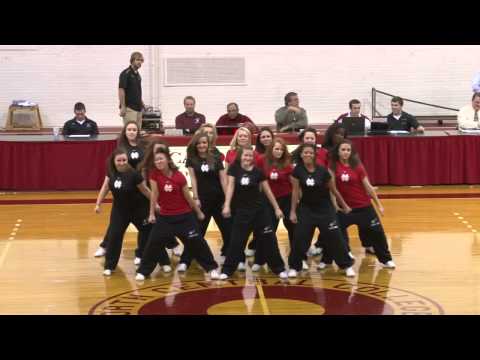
{"x": 418, "y": 160}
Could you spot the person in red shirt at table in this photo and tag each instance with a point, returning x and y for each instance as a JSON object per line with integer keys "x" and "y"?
{"x": 176, "y": 218}
{"x": 353, "y": 184}
{"x": 189, "y": 121}
{"x": 234, "y": 118}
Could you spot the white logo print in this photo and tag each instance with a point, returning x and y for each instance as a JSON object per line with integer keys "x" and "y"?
{"x": 310, "y": 182}
{"x": 245, "y": 181}
{"x": 332, "y": 226}
{"x": 117, "y": 184}
{"x": 274, "y": 175}
{"x": 204, "y": 168}
{"x": 168, "y": 188}
{"x": 345, "y": 177}
{"x": 134, "y": 155}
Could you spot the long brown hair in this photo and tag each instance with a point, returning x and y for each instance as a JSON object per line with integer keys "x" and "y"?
{"x": 192, "y": 152}
{"x": 271, "y": 160}
{"x": 148, "y": 160}
{"x": 122, "y": 138}
{"x": 111, "y": 168}
{"x": 211, "y": 126}
{"x": 334, "y": 155}
{"x": 165, "y": 152}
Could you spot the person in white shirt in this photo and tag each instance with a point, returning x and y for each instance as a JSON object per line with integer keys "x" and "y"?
{"x": 468, "y": 116}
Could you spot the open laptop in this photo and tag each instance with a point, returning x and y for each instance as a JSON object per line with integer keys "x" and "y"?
{"x": 226, "y": 129}
{"x": 354, "y": 125}
{"x": 379, "y": 128}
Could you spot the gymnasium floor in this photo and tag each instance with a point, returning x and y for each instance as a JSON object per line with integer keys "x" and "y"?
{"x": 47, "y": 241}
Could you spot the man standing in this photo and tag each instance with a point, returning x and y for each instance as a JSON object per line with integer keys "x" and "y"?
{"x": 468, "y": 116}
{"x": 234, "y": 118}
{"x": 190, "y": 120}
{"x": 291, "y": 117}
{"x": 400, "y": 120}
{"x": 80, "y": 124}
{"x": 130, "y": 91}
{"x": 355, "y": 107}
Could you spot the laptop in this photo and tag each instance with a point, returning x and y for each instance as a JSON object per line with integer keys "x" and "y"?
{"x": 379, "y": 128}
{"x": 354, "y": 125}
{"x": 226, "y": 129}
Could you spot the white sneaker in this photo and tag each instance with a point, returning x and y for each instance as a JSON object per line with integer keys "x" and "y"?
{"x": 137, "y": 261}
{"x": 322, "y": 265}
{"x": 349, "y": 272}
{"x": 256, "y": 267}
{"x": 177, "y": 251}
{"x": 166, "y": 268}
{"x": 214, "y": 275}
{"x": 292, "y": 273}
{"x": 107, "y": 272}
{"x": 283, "y": 275}
{"x": 389, "y": 265}
{"x": 351, "y": 255}
{"x": 241, "y": 266}
{"x": 139, "y": 277}
{"x": 100, "y": 252}
{"x": 182, "y": 267}
{"x": 305, "y": 265}
{"x": 223, "y": 276}
{"x": 249, "y": 252}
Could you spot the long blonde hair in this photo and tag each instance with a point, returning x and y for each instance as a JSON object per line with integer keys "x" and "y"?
{"x": 234, "y": 142}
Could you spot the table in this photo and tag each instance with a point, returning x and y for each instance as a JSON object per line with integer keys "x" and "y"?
{"x": 43, "y": 162}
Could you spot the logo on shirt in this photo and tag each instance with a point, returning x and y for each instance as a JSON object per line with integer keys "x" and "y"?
{"x": 197, "y": 120}
{"x": 273, "y": 175}
{"x": 117, "y": 184}
{"x": 134, "y": 155}
{"x": 345, "y": 177}
{"x": 204, "y": 168}
{"x": 168, "y": 188}
{"x": 310, "y": 182}
{"x": 245, "y": 181}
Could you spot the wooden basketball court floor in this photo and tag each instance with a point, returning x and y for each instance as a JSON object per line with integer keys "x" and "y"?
{"x": 47, "y": 241}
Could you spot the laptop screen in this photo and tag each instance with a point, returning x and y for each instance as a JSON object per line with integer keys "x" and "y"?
{"x": 354, "y": 125}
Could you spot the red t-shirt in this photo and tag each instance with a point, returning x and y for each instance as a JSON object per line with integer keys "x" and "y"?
{"x": 170, "y": 194}
{"x": 278, "y": 179}
{"x": 349, "y": 184}
{"x": 232, "y": 154}
{"x": 322, "y": 157}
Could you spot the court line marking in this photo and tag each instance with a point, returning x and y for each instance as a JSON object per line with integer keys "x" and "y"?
{"x": 3, "y": 256}
{"x": 263, "y": 300}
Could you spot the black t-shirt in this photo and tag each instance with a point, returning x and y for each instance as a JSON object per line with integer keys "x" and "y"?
{"x": 405, "y": 122}
{"x": 135, "y": 154}
{"x": 208, "y": 177}
{"x": 131, "y": 82}
{"x": 315, "y": 192}
{"x": 123, "y": 186}
{"x": 247, "y": 193}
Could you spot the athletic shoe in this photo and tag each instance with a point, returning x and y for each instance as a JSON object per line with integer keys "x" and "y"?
{"x": 166, "y": 268}
{"x": 107, "y": 272}
{"x": 370, "y": 250}
{"x": 177, "y": 251}
{"x": 223, "y": 276}
{"x": 214, "y": 275}
{"x": 137, "y": 261}
{"x": 389, "y": 265}
{"x": 139, "y": 277}
{"x": 241, "y": 266}
{"x": 100, "y": 252}
{"x": 305, "y": 265}
{"x": 322, "y": 265}
{"x": 292, "y": 273}
{"x": 351, "y": 255}
{"x": 283, "y": 275}
{"x": 182, "y": 267}
{"x": 349, "y": 272}
{"x": 249, "y": 252}
{"x": 256, "y": 267}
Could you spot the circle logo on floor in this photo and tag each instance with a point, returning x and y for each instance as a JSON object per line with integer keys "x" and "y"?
{"x": 267, "y": 296}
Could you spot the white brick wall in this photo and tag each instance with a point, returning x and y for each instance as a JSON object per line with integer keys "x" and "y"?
{"x": 326, "y": 77}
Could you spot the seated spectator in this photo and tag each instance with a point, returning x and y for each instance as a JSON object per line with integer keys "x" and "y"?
{"x": 190, "y": 120}
{"x": 468, "y": 115}
{"x": 80, "y": 124}
{"x": 400, "y": 120}
{"x": 291, "y": 117}
{"x": 234, "y": 118}
{"x": 355, "y": 107}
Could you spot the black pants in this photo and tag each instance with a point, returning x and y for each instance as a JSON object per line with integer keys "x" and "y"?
{"x": 284, "y": 203}
{"x": 119, "y": 221}
{"x": 185, "y": 227}
{"x": 362, "y": 234}
{"x": 368, "y": 222}
{"x": 212, "y": 208}
{"x": 258, "y": 220}
{"x": 326, "y": 221}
